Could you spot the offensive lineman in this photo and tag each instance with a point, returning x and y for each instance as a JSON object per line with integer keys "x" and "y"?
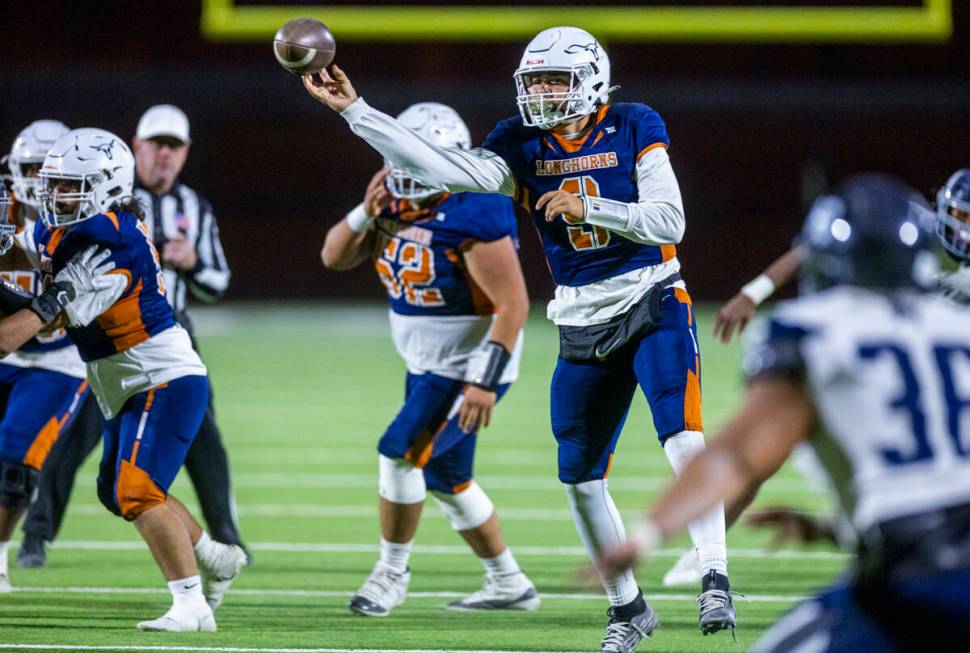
{"x": 150, "y": 383}
{"x": 458, "y": 304}
{"x": 598, "y": 182}
{"x": 872, "y": 369}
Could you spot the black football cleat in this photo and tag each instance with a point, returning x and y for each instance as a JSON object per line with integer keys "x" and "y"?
{"x": 715, "y": 604}
{"x": 628, "y": 625}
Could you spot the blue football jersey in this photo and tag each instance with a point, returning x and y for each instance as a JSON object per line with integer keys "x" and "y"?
{"x": 602, "y": 164}
{"x": 420, "y": 257}
{"x": 142, "y": 310}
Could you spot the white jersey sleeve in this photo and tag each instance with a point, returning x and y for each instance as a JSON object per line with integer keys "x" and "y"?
{"x": 657, "y": 217}
{"x": 476, "y": 170}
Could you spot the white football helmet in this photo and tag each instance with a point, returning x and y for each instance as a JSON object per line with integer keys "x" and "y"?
{"x": 563, "y": 50}
{"x": 438, "y": 124}
{"x": 29, "y": 149}
{"x": 101, "y": 165}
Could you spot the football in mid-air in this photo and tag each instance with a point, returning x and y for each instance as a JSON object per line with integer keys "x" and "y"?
{"x": 304, "y": 46}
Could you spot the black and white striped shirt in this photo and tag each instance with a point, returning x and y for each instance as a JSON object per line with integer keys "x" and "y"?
{"x": 182, "y": 211}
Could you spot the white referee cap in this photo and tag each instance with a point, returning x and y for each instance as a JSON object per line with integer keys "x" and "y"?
{"x": 164, "y": 120}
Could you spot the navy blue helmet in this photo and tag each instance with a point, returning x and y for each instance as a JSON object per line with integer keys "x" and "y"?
{"x": 953, "y": 215}
{"x": 874, "y": 231}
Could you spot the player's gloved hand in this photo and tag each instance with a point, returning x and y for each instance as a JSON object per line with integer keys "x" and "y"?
{"x": 336, "y": 92}
{"x": 84, "y": 274}
{"x": 476, "y": 409}
{"x": 792, "y": 525}
{"x": 559, "y": 202}
{"x": 733, "y": 315}
{"x": 377, "y": 197}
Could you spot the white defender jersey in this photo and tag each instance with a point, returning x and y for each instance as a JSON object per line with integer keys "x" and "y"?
{"x": 890, "y": 379}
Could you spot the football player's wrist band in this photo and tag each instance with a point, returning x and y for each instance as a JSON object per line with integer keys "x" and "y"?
{"x": 606, "y": 213}
{"x": 646, "y": 534}
{"x": 759, "y": 289}
{"x": 358, "y": 220}
{"x": 494, "y": 358}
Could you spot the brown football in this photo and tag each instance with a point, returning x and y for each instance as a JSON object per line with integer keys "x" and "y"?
{"x": 304, "y": 46}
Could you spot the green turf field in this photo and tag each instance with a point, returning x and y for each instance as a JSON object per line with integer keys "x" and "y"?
{"x": 302, "y": 395}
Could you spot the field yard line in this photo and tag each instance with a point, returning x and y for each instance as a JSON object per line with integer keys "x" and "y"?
{"x": 369, "y": 511}
{"x": 234, "y": 649}
{"x": 632, "y": 482}
{"x": 755, "y": 598}
{"x": 440, "y": 549}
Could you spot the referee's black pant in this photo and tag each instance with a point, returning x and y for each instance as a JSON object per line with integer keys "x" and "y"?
{"x": 206, "y": 462}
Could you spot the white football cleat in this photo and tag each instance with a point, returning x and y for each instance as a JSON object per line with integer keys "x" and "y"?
{"x": 219, "y": 570}
{"x": 686, "y": 571}
{"x": 501, "y": 592}
{"x": 5, "y": 584}
{"x": 180, "y": 619}
{"x": 383, "y": 590}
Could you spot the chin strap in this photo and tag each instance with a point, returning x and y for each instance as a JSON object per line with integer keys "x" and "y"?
{"x": 489, "y": 365}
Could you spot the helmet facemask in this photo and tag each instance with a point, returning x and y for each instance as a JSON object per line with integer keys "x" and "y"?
{"x": 547, "y": 110}
{"x": 953, "y": 224}
{"x": 403, "y": 186}
{"x": 25, "y": 182}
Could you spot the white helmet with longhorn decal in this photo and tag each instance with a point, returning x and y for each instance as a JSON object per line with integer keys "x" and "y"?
{"x": 567, "y": 50}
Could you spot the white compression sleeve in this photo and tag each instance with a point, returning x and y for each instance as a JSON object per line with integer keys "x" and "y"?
{"x": 400, "y": 481}
{"x": 600, "y": 528}
{"x": 707, "y": 531}
{"x": 657, "y": 217}
{"x": 456, "y": 170}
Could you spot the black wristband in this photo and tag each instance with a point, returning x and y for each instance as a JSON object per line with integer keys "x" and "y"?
{"x": 49, "y": 304}
{"x": 489, "y": 376}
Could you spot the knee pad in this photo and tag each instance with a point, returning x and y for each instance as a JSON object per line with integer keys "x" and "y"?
{"x": 400, "y": 481}
{"x": 17, "y": 484}
{"x": 466, "y": 510}
{"x": 136, "y": 491}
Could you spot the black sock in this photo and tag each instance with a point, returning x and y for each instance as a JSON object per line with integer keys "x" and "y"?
{"x": 633, "y": 608}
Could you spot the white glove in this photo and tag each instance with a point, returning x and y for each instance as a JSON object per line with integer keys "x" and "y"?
{"x": 95, "y": 289}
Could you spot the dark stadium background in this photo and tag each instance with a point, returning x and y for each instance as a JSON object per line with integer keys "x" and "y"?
{"x": 756, "y": 130}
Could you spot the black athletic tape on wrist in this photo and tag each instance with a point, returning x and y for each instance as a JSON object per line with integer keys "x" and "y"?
{"x": 49, "y": 304}
{"x": 489, "y": 377}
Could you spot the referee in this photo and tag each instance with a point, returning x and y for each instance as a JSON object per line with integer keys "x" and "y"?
{"x": 186, "y": 236}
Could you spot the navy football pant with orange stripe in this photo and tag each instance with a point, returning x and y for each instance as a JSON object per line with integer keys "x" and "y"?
{"x": 146, "y": 444}
{"x": 590, "y": 401}
{"x": 37, "y": 406}
{"x": 426, "y": 432}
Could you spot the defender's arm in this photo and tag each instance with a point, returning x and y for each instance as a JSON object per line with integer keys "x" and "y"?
{"x": 737, "y": 312}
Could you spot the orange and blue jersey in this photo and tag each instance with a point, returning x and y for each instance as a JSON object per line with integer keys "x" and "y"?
{"x": 142, "y": 310}
{"x": 421, "y": 260}
{"x": 601, "y": 164}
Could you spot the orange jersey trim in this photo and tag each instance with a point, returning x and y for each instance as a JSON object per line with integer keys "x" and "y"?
{"x": 114, "y": 219}
{"x": 572, "y": 146}
{"x": 650, "y": 147}
{"x": 122, "y": 322}
{"x": 668, "y": 252}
